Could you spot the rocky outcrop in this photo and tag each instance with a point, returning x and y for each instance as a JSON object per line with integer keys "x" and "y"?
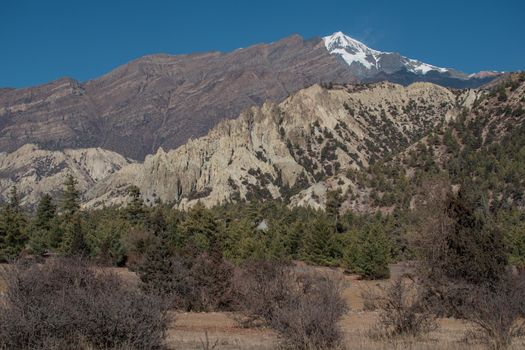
{"x": 35, "y": 171}
{"x": 276, "y": 150}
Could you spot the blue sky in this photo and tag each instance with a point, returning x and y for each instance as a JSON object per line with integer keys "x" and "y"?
{"x": 44, "y": 40}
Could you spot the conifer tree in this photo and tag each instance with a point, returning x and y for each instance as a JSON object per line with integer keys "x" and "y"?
{"x": 14, "y": 200}
{"x": 156, "y": 271}
{"x": 74, "y": 243}
{"x": 333, "y": 205}
{"x": 45, "y": 213}
{"x": 475, "y": 248}
{"x": 70, "y": 201}
{"x": 200, "y": 229}
{"x": 318, "y": 241}
{"x": 44, "y": 226}
{"x": 135, "y": 211}
{"x": 368, "y": 252}
{"x": 13, "y": 228}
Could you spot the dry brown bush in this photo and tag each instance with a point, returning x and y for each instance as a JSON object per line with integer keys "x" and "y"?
{"x": 370, "y": 299}
{"x": 304, "y": 309}
{"x": 66, "y": 304}
{"x": 403, "y": 310}
{"x": 496, "y": 311}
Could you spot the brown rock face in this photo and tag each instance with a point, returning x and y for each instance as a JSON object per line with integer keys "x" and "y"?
{"x": 161, "y": 100}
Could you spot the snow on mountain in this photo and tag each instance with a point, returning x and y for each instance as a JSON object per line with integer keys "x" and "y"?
{"x": 358, "y": 55}
{"x": 485, "y": 74}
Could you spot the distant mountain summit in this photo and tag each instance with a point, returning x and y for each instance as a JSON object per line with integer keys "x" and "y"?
{"x": 372, "y": 65}
{"x": 368, "y": 62}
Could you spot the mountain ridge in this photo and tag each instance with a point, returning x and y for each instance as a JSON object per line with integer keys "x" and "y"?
{"x": 163, "y": 100}
{"x": 295, "y": 151}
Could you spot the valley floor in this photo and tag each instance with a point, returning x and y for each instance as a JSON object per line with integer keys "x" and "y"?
{"x": 192, "y": 330}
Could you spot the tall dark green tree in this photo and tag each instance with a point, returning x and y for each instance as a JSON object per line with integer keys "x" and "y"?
{"x": 201, "y": 230}
{"x": 368, "y": 251}
{"x": 14, "y": 200}
{"x": 475, "y": 246}
{"x": 135, "y": 211}
{"x": 333, "y": 206}
{"x": 43, "y": 231}
{"x": 13, "y": 228}
{"x": 157, "y": 270}
{"x": 71, "y": 198}
{"x": 45, "y": 213}
{"x": 318, "y": 246}
{"x": 73, "y": 241}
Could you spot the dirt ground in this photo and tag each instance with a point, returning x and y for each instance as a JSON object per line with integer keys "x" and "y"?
{"x": 219, "y": 331}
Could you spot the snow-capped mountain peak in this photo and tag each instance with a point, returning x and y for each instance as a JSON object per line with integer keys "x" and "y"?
{"x": 369, "y": 62}
{"x": 340, "y": 40}
{"x": 351, "y": 50}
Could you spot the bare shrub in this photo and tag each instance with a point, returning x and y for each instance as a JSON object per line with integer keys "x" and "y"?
{"x": 194, "y": 283}
{"x": 66, "y": 304}
{"x": 263, "y": 287}
{"x": 497, "y": 311}
{"x": 403, "y": 311}
{"x": 211, "y": 283}
{"x": 370, "y": 299}
{"x": 303, "y": 309}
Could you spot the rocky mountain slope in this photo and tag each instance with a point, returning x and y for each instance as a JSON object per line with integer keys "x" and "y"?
{"x": 35, "y": 171}
{"x": 484, "y": 143}
{"x": 162, "y": 100}
{"x": 276, "y": 150}
{"x": 317, "y": 140}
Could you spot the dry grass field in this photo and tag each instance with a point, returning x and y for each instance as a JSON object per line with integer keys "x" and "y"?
{"x": 218, "y": 330}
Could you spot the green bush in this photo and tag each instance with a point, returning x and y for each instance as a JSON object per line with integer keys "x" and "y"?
{"x": 368, "y": 252}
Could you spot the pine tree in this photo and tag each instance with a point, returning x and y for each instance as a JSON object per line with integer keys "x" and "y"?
{"x": 74, "y": 243}
{"x": 318, "y": 241}
{"x": 333, "y": 205}
{"x": 45, "y": 213}
{"x": 157, "y": 270}
{"x": 13, "y": 228}
{"x": 475, "y": 247}
{"x": 105, "y": 241}
{"x": 14, "y": 200}
{"x": 201, "y": 230}
{"x": 40, "y": 232}
{"x": 135, "y": 211}
{"x": 368, "y": 252}
{"x": 70, "y": 201}
{"x": 156, "y": 221}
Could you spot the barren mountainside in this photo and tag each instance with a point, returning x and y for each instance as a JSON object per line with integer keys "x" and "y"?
{"x": 161, "y": 100}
